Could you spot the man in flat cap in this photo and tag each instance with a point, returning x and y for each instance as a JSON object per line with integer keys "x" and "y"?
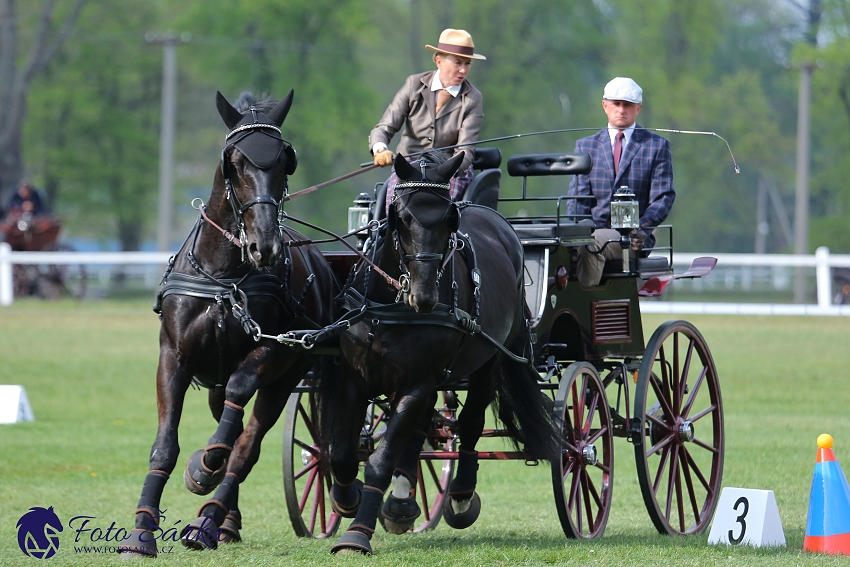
{"x": 434, "y": 109}
{"x": 623, "y": 154}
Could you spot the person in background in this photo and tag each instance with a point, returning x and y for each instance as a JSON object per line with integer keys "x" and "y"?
{"x": 623, "y": 154}
{"x": 25, "y": 200}
{"x": 434, "y": 109}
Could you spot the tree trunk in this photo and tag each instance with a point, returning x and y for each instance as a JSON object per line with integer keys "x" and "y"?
{"x": 15, "y": 81}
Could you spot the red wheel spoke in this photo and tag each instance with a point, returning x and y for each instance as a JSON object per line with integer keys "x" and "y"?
{"x": 660, "y": 471}
{"x": 314, "y": 509}
{"x": 686, "y": 369}
{"x": 680, "y": 505}
{"x": 690, "y": 484}
{"x": 664, "y": 395}
{"x": 309, "y": 448}
{"x": 310, "y": 467}
{"x": 704, "y": 445}
{"x": 662, "y": 399}
{"x": 320, "y": 496}
{"x": 568, "y": 467}
{"x": 308, "y": 423}
{"x": 590, "y": 413}
{"x": 307, "y": 489}
{"x": 599, "y": 433}
{"x": 687, "y": 409}
{"x": 703, "y": 413}
{"x": 658, "y": 422}
{"x": 592, "y": 488}
{"x": 604, "y": 468}
{"x": 570, "y": 447}
{"x": 574, "y": 497}
{"x": 423, "y": 494}
{"x": 586, "y": 494}
{"x": 674, "y": 379}
{"x": 666, "y": 440}
{"x": 674, "y": 467}
{"x": 698, "y": 472}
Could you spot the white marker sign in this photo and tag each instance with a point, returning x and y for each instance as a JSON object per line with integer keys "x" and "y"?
{"x": 14, "y": 405}
{"x": 745, "y": 516}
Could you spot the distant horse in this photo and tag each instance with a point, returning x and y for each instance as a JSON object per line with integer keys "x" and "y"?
{"x": 233, "y": 280}
{"x": 461, "y": 313}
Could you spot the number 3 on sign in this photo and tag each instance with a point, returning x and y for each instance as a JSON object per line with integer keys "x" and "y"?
{"x": 742, "y": 501}
{"x": 747, "y": 517}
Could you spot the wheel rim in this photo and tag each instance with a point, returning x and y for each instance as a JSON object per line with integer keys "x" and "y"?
{"x": 306, "y": 470}
{"x": 679, "y": 440}
{"x": 583, "y": 477}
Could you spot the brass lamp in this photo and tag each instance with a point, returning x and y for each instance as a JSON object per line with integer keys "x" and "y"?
{"x": 358, "y": 217}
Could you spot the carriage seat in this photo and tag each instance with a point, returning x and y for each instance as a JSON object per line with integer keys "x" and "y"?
{"x": 484, "y": 187}
{"x": 533, "y": 165}
{"x": 646, "y": 267}
{"x": 549, "y": 233}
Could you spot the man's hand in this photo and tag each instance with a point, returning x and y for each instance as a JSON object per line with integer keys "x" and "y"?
{"x": 384, "y": 158}
{"x": 638, "y": 239}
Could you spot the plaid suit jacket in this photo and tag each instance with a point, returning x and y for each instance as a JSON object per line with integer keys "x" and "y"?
{"x": 646, "y": 166}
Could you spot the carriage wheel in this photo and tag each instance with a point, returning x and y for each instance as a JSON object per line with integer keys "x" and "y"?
{"x": 583, "y": 478}
{"x": 61, "y": 280}
{"x": 306, "y": 470}
{"x": 678, "y": 433}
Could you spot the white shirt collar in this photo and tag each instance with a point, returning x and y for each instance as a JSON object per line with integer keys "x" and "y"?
{"x": 437, "y": 85}
{"x": 612, "y": 133}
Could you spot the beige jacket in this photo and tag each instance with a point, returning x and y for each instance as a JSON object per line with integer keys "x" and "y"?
{"x": 413, "y": 107}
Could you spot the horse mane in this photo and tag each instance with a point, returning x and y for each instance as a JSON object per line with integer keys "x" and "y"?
{"x": 247, "y": 99}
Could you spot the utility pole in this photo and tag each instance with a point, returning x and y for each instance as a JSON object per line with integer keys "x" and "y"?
{"x": 168, "y": 121}
{"x": 801, "y": 202}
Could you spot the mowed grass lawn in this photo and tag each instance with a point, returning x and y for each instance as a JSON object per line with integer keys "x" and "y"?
{"x": 89, "y": 373}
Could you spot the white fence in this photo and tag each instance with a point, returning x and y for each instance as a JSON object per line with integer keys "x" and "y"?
{"x": 822, "y": 262}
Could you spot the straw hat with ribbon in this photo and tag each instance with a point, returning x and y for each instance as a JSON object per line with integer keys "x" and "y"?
{"x": 456, "y": 42}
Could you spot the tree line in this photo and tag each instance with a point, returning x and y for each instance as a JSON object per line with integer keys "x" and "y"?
{"x": 89, "y": 117}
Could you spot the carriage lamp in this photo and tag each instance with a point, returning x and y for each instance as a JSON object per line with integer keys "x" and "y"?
{"x": 358, "y": 217}
{"x": 625, "y": 216}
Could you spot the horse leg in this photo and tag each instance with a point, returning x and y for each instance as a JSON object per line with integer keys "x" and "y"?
{"x": 344, "y": 428}
{"x": 400, "y": 509}
{"x": 172, "y": 383}
{"x": 219, "y": 519}
{"x": 379, "y": 469}
{"x": 206, "y": 467}
{"x": 463, "y": 506}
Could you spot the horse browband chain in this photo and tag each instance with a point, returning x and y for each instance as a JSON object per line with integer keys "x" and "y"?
{"x": 251, "y": 127}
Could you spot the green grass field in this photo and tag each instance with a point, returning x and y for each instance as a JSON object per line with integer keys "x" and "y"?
{"x": 89, "y": 373}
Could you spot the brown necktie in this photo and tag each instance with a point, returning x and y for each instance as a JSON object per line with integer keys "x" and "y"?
{"x": 618, "y": 151}
{"x": 442, "y": 97}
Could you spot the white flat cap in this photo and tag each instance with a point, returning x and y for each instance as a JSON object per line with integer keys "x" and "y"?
{"x": 623, "y": 88}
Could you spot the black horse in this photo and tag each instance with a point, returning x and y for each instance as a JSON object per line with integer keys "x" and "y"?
{"x": 212, "y": 336}
{"x": 460, "y": 314}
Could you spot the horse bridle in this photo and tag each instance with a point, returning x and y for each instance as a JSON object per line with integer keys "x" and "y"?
{"x": 404, "y": 257}
{"x": 240, "y": 133}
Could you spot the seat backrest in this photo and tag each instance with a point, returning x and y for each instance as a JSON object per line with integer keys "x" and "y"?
{"x": 487, "y": 158}
{"x": 528, "y": 165}
{"x": 381, "y": 201}
{"x": 484, "y": 189}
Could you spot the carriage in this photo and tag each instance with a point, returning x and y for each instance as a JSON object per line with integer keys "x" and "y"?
{"x": 605, "y": 380}
{"x": 25, "y": 232}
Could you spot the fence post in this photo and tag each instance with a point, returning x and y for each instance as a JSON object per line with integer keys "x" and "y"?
{"x": 824, "y": 276}
{"x": 6, "y": 290}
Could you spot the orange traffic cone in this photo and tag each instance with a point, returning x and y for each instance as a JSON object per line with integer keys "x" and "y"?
{"x": 828, "y": 525}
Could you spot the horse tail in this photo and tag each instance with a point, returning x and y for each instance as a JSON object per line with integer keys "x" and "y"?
{"x": 525, "y": 411}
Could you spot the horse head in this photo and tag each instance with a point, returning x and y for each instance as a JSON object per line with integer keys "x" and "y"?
{"x": 255, "y": 163}
{"x": 423, "y": 220}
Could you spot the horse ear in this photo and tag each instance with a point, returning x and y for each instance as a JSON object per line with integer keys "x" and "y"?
{"x": 449, "y": 168}
{"x": 230, "y": 115}
{"x": 403, "y": 169}
{"x": 279, "y": 112}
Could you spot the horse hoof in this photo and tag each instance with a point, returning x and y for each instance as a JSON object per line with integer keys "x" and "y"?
{"x": 462, "y": 520}
{"x": 197, "y": 534}
{"x": 139, "y": 543}
{"x": 229, "y": 530}
{"x": 399, "y": 514}
{"x": 198, "y": 478}
{"x": 352, "y": 542}
{"x": 348, "y": 511}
